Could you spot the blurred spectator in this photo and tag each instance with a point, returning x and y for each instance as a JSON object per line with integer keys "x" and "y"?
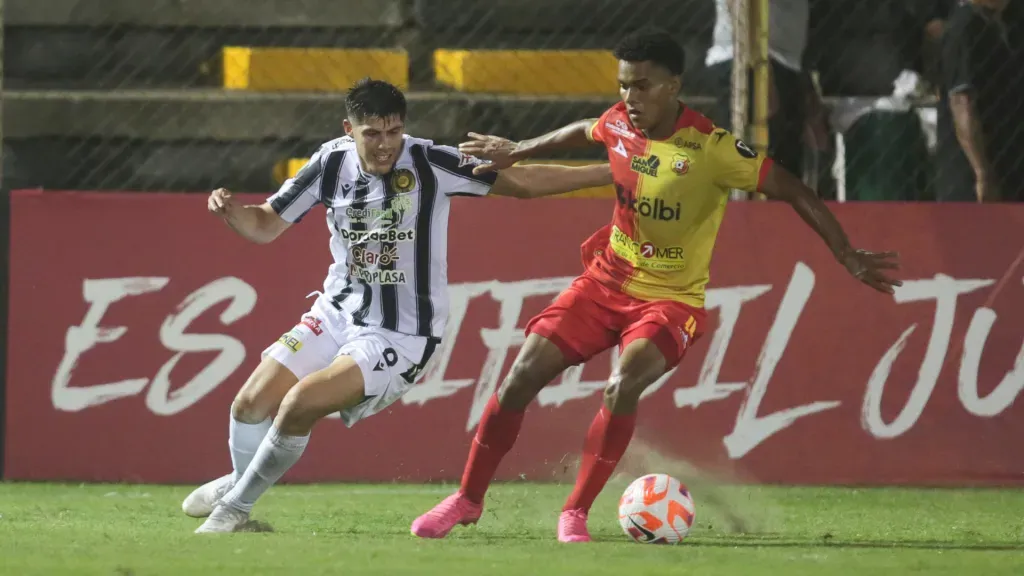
{"x": 792, "y": 96}
{"x": 981, "y": 116}
{"x": 933, "y": 14}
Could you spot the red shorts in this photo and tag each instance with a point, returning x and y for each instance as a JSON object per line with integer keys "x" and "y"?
{"x": 589, "y": 318}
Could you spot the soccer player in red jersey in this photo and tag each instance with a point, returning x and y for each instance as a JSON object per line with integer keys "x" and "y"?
{"x": 646, "y": 272}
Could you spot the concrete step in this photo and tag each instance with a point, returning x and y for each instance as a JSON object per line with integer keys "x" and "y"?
{"x": 331, "y": 14}
{"x": 195, "y": 140}
{"x": 228, "y": 116}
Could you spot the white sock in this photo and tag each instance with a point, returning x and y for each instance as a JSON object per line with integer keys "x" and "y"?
{"x": 243, "y": 441}
{"x": 276, "y": 454}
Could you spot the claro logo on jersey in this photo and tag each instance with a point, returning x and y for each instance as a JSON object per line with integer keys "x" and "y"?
{"x": 363, "y": 236}
{"x": 645, "y": 165}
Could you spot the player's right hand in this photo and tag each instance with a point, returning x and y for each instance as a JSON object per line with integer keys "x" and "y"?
{"x": 220, "y": 201}
{"x": 499, "y": 152}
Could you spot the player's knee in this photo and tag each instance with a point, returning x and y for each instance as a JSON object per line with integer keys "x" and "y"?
{"x": 624, "y": 389}
{"x": 297, "y": 413}
{"x": 524, "y": 380}
{"x": 248, "y": 409}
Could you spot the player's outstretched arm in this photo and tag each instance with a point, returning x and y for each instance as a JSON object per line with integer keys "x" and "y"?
{"x": 502, "y": 152}
{"x": 537, "y": 180}
{"x": 257, "y": 223}
{"x": 868, "y": 267}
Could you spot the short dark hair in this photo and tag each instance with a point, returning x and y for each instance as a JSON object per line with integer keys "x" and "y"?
{"x": 374, "y": 99}
{"x": 652, "y": 45}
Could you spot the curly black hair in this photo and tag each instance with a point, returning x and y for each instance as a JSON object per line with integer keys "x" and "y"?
{"x": 370, "y": 98}
{"x": 652, "y": 45}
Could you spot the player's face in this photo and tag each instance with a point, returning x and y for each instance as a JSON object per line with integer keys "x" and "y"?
{"x": 378, "y": 141}
{"x": 649, "y": 91}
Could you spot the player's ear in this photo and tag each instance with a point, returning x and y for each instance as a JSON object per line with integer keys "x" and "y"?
{"x": 677, "y": 85}
{"x": 348, "y": 126}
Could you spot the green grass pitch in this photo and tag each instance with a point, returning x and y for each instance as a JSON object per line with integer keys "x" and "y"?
{"x": 364, "y": 529}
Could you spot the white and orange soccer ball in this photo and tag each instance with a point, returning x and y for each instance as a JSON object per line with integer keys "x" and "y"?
{"x": 656, "y": 509}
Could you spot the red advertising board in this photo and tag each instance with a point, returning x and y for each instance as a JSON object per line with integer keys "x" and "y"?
{"x": 134, "y": 318}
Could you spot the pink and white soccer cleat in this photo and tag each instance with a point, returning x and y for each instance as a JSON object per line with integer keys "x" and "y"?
{"x": 572, "y": 526}
{"x": 452, "y": 511}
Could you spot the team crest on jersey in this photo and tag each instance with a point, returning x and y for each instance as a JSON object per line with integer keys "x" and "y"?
{"x": 646, "y": 165}
{"x": 403, "y": 180}
{"x": 680, "y": 164}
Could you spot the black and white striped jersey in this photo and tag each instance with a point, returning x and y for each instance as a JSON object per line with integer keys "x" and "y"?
{"x": 389, "y": 234}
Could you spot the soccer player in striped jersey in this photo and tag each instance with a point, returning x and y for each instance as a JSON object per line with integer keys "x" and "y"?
{"x": 384, "y": 303}
{"x": 646, "y": 272}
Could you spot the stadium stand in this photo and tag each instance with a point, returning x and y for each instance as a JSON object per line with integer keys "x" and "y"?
{"x": 187, "y": 94}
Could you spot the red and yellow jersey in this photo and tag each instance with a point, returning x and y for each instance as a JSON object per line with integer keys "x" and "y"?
{"x": 671, "y": 199}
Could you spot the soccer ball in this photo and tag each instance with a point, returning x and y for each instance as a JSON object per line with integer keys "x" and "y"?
{"x": 656, "y": 509}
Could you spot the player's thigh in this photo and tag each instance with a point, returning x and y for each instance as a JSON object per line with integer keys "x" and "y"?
{"x": 336, "y": 387}
{"x": 389, "y": 363}
{"x": 580, "y": 322}
{"x": 301, "y": 351}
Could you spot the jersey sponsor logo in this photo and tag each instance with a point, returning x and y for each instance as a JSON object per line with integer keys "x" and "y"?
{"x": 393, "y": 215}
{"x": 364, "y": 257}
{"x": 648, "y": 207}
{"x": 290, "y": 341}
{"x": 745, "y": 150}
{"x": 646, "y": 165}
{"x": 647, "y": 255}
{"x": 403, "y": 181}
{"x": 620, "y": 128}
{"x": 379, "y": 277}
{"x": 688, "y": 144}
{"x": 680, "y": 163}
{"x": 378, "y": 235}
{"x": 313, "y": 323}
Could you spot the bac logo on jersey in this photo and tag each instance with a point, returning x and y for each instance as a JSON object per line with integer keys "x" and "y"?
{"x": 645, "y": 165}
{"x": 403, "y": 180}
{"x": 680, "y": 164}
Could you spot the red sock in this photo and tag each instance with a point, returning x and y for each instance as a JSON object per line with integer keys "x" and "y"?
{"x": 495, "y": 436}
{"x": 607, "y": 439}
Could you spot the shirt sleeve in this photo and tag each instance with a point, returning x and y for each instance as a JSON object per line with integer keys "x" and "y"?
{"x": 734, "y": 164}
{"x": 595, "y": 132}
{"x": 298, "y": 195}
{"x": 598, "y": 131}
{"x": 454, "y": 172}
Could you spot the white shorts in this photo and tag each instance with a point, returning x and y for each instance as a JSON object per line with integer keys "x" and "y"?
{"x": 390, "y": 362}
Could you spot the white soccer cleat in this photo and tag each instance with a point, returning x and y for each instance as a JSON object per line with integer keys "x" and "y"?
{"x": 200, "y": 503}
{"x": 224, "y": 519}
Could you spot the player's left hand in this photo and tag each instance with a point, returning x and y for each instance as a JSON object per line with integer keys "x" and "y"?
{"x": 496, "y": 150}
{"x": 870, "y": 267}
